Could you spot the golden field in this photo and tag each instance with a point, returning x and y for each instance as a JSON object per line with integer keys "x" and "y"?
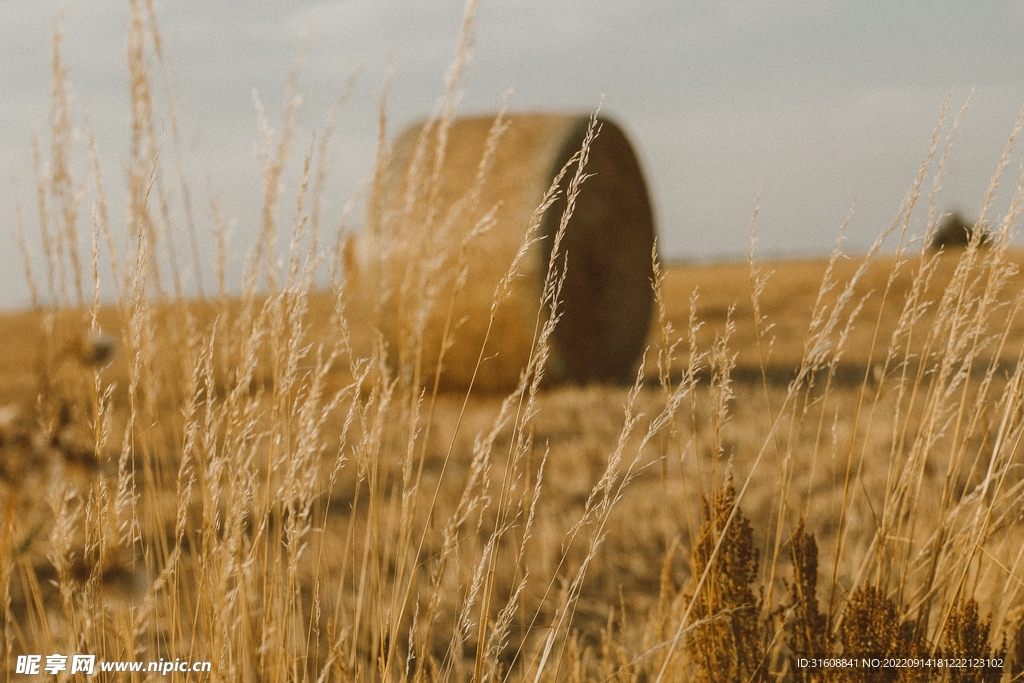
{"x": 254, "y": 504}
{"x": 817, "y": 460}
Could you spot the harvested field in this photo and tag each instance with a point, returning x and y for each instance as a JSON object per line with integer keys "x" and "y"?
{"x": 722, "y": 294}
{"x": 825, "y": 458}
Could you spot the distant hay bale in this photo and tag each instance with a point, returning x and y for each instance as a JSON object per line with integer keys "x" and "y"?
{"x": 424, "y": 241}
{"x": 955, "y": 232}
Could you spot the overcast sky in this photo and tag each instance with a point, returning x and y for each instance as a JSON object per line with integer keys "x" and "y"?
{"x": 817, "y": 105}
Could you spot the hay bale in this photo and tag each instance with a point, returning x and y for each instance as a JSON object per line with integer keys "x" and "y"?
{"x": 955, "y": 232}
{"x": 423, "y": 235}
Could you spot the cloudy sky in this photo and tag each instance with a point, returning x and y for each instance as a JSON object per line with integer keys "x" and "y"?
{"x": 817, "y": 105}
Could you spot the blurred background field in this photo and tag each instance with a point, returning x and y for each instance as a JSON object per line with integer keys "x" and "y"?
{"x": 720, "y": 291}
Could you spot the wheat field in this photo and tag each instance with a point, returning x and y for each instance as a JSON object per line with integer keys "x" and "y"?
{"x": 819, "y": 461}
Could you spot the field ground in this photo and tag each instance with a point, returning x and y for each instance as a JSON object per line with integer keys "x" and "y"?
{"x": 643, "y": 564}
{"x": 722, "y": 290}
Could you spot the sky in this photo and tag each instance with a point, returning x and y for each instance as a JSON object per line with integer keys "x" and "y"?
{"x": 817, "y": 107}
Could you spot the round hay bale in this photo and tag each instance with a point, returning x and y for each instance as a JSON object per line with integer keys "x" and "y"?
{"x": 431, "y": 269}
{"x": 955, "y": 231}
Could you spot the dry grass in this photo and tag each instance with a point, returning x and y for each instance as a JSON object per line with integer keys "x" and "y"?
{"x": 823, "y": 462}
